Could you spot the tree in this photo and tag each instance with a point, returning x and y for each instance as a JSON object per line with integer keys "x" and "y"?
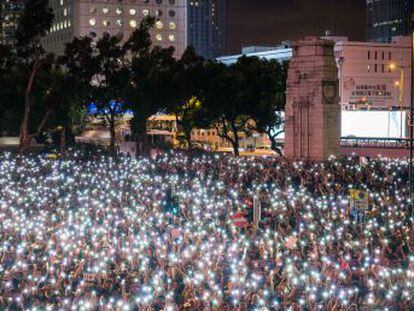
{"x": 7, "y": 59}
{"x": 225, "y": 99}
{"x": 109, "y": 81}
{"x": 9, "y": 103}
{"x": 35, "y": 20}
{"x": 153, "y": 72}
{"x": 189, "y": 85}
{"x": 267, "y": 82}
{"x": 62, "y": 93}
{"x": 79, "y": 67}
{"x": 98, "y": 73}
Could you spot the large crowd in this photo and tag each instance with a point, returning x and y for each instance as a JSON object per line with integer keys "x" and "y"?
{"x": 95, "y": 234}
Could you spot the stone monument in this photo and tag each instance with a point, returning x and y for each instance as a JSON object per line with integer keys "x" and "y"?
{"x": 313, "y": 111}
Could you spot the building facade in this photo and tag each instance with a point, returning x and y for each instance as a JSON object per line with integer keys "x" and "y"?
{"x": 374, "y": 75}
{"x": 371, "y": 75}
{"x": 374, "y": 83}
{"x": 206, "y": 27}
{"x": 277, "y": 53}
{"x": 74, "y": 18}
{"x": 10, "y": 11}
{"x": 388, "y": 18}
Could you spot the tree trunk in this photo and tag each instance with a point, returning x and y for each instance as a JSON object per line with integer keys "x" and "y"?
{"x": 187, "y": 133}
{"x": 274, "y": 146}
{"x": 235, "y": 141}
{"x": 112, "y": 134}
{"x": 139, "y": 132}
{"x": 273, "y": 143}
{"x": 24, "y": 127}
{"x": 236, "y": 149}
{"x": 63, "y": 141}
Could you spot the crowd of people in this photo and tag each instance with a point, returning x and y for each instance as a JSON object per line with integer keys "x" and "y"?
{"x": 95, "y": 234}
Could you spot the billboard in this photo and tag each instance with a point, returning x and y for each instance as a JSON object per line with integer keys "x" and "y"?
{"x": 366, "y": 92}
{"x": 381, "y": 124}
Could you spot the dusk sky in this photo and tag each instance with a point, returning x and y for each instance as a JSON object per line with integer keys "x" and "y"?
{"x": 267, "y": 22}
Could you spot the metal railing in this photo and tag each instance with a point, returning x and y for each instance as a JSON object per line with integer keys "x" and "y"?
{"x": 372, "y": 142}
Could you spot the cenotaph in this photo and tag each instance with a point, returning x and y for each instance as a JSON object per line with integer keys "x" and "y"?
{"x": 313, "y": 111}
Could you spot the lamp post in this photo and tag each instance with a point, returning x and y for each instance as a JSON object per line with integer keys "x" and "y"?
{"x": 412, "y": 113}
{"x": 397, "y": 85}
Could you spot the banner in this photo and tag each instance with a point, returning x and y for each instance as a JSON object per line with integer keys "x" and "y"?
{"x": 359, "y": 199}
{"x": 240, "y": 220}
{"x": 257, "y": 210}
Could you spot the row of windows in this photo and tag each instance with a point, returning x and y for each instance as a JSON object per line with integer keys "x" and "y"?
{"x": 376, "y": 54}
{"x": 205, "y": 132}
{"x": 60, "y": 26}
{"x": 159, "y": 37}
{"x": 379, "y": 68}
{"x": 132, "y": 23}
{"x": 132, "y": 11}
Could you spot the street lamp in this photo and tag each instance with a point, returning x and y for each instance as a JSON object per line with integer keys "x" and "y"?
{"x": 412, "y": 113}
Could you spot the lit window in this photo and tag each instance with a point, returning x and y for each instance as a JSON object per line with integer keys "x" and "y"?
{"x": 118, "y": 11}
{"x": 65, "y": 12}
{"x": 105, "y": 23}
{"x": 61, "y": 2}
{"x": 119, "y": 22}
{"x": 133, "y": 23}
{"x": 172, "y": 25}
{"x": 171, "y": 38}
{"x": 132, "y": 11}
{"x": 145, "y": 12}
{"x": 159, "y": 24}
{"x": 158, "y": 36}
{"x": 92, "y": 10}
{"x": 105, "y": 10}
{"x": 92, "y": 22}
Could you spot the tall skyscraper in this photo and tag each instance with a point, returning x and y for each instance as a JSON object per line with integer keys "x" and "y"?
{"x": 74, "y": 18}
{"x": 10, "y": 11}
{"x": 388, "y": 18}
{"x": 207, "y": 27}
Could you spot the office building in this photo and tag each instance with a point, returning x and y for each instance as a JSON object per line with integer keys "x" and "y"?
{"x": 10, "y": 11}
{"x": 388, "y": 18}
{"x": 74, "y": 18}
{"x": 206, "y": 27}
